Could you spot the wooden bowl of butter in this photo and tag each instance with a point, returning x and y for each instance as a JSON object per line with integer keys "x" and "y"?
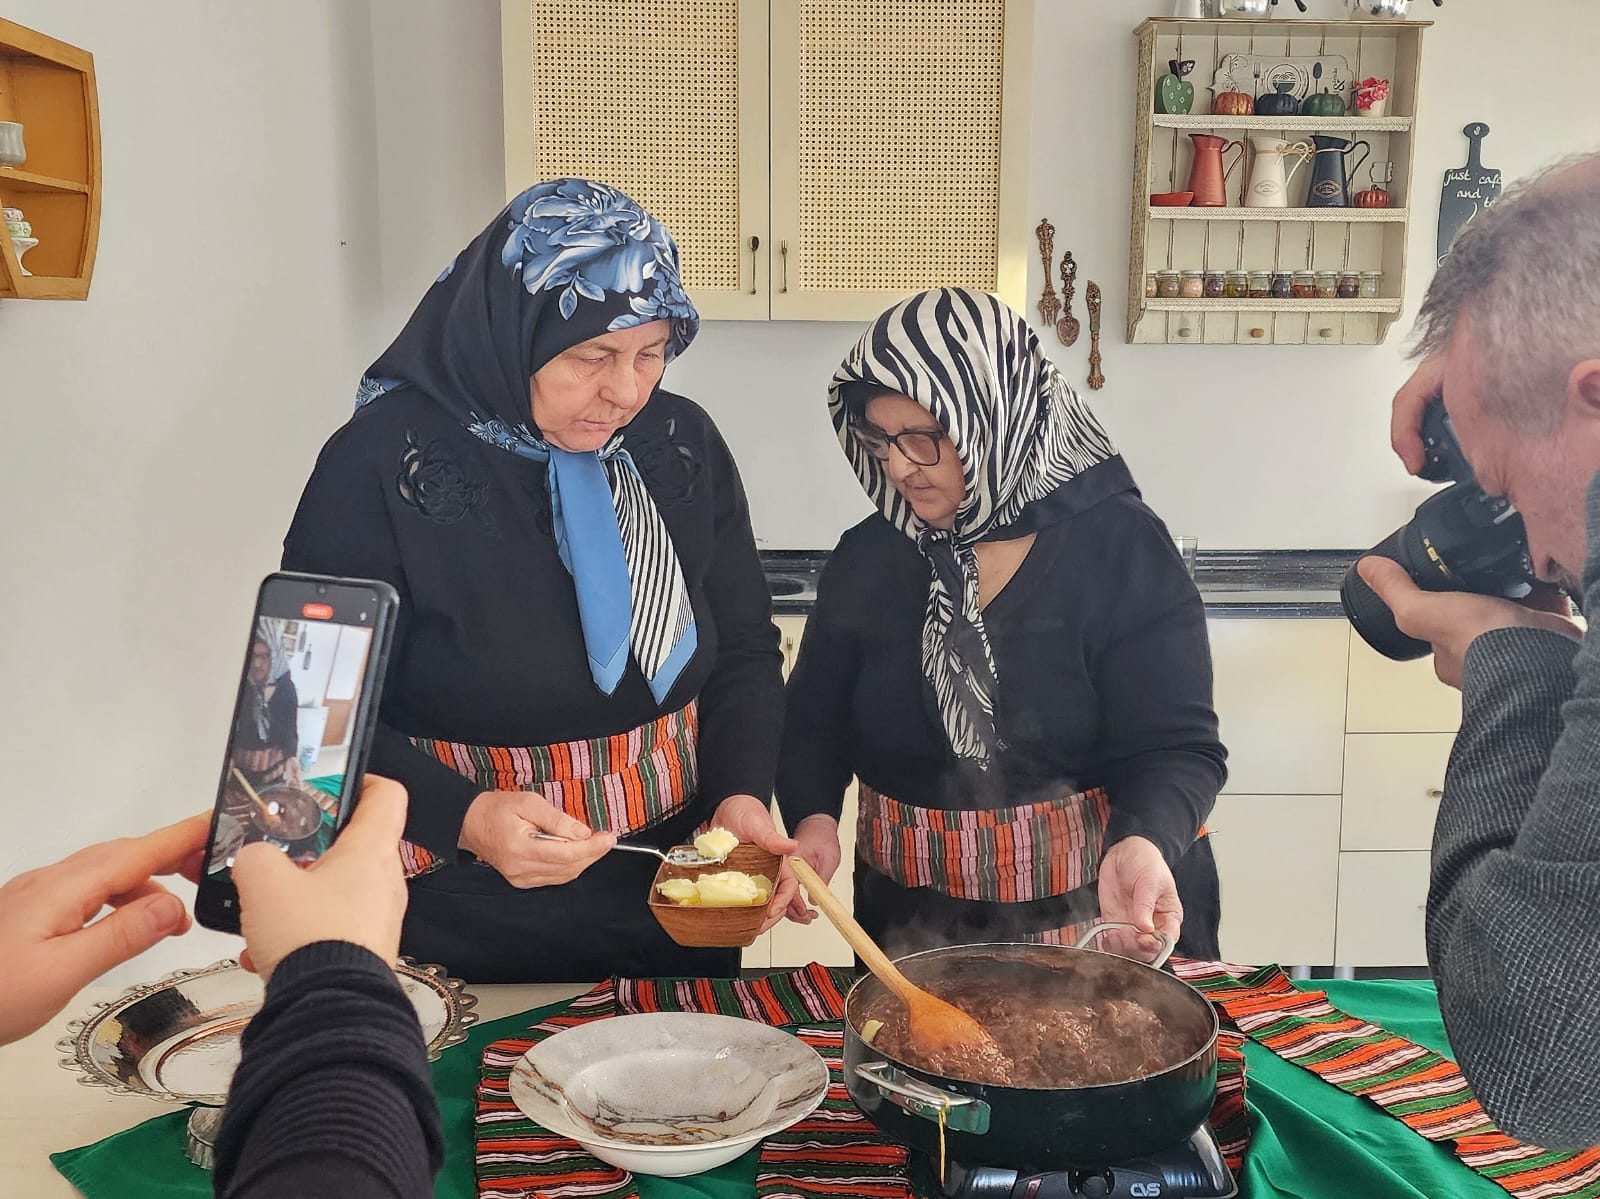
{"x": 717, "y": 906}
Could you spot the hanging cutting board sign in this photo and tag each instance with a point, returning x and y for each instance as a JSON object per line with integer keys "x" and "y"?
{"x": 1468, "y": 190}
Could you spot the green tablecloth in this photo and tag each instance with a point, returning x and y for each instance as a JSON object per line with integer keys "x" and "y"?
{"x": 1311, "y": 1139}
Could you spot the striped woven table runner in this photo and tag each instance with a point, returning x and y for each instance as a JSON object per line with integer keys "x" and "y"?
{"x": 835, "y": 1151}
{"x": 1423, "y": 1089}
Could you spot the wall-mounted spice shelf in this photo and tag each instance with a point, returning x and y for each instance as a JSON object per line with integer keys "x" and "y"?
{"x": 49, "y": 87}
{"x": 1241, "y": 238}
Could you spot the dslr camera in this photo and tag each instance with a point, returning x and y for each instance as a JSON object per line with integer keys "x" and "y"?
{"x": 1461, "y": 539}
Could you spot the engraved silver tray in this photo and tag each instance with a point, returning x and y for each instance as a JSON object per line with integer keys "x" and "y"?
{"x": 177, "y": 1038}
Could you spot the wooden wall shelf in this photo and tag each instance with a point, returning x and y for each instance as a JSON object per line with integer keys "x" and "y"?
{"x": 1236, "y": 237}
{"x": 49, "y": 87}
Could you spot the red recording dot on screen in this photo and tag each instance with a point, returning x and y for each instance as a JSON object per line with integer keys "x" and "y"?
{"x": 317, "y": 611}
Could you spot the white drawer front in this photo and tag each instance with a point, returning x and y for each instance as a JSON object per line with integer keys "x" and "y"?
{"x": 1280, "y": 697}
{"x": 1398, "y": 697}
{"x": 1278, "y": 859}
{"x": 1382, "y": 904}
{"x": 1392, "y": 786}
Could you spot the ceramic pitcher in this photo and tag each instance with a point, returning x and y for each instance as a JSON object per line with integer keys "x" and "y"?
{"x": 1330, "y": 182}
{"x": 1269, "y": 181}
{"x": 1208, "y": 179}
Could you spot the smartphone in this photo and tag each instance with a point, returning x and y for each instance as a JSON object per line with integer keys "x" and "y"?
{"x": 302, "y": 725}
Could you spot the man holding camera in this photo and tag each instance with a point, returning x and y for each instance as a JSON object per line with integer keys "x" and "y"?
{"x": 1511, "y": 334}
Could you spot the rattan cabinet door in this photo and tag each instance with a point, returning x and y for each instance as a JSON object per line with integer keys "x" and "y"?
{"x": 899, "y": 146}
{"x": 667, "y": 102}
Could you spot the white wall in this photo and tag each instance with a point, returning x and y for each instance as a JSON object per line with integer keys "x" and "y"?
{"x": 159, "y": 433}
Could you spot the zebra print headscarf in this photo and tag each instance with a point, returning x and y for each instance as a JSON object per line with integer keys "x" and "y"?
{"x": 1022, "y": 436}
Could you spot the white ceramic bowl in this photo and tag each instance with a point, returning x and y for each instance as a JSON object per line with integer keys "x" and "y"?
{"x": 669, "y": 1093}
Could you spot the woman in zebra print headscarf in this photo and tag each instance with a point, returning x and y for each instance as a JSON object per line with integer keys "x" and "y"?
{"x": 1009, "y": 657}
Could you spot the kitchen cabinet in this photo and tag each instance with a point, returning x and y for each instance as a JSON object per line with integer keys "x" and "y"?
{"x": 1278, "y": 860}
{"x": 816, "y": 159}
{"x": 1383, "y": 900}
{"x": 1280, "y": 697}
{"x": 1393, "y": 783}
{"x": 49, "y": 88}
{"x": 1398, "y": 697}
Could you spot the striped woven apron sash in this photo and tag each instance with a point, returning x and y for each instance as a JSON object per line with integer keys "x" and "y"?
{"x": 1423, "y": 1089}
{"x": 997, "y": 855}
{"x": 619, "y": 784}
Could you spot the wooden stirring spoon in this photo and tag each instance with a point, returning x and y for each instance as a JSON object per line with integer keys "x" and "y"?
{"x": 940, "y": 1029}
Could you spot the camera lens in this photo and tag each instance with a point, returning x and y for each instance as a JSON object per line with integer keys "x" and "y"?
{"x": 1370, "y": 616}
{"x": 322, "y": 589}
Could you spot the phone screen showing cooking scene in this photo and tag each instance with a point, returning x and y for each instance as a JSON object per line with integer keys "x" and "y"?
{"x": 301, "y": 720}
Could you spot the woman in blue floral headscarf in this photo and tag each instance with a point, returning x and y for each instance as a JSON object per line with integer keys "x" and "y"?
{"x": 585, "y": 646}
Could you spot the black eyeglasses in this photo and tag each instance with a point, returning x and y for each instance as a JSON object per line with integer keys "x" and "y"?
{"x": 920, "y": 447}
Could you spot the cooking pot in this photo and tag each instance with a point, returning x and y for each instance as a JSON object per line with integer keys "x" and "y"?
{"x": 1037, "y": 1128}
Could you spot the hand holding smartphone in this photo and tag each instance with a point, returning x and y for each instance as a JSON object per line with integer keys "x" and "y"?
{"x": 302, "y": 726}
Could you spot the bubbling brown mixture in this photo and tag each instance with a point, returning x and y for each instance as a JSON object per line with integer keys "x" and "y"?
{"x": 1049, "y": 1036}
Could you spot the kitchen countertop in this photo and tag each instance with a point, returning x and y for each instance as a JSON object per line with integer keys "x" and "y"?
{"x": 1233, "y": 583}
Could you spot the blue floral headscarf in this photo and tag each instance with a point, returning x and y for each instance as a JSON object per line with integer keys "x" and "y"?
{"x": 566, "y": 261}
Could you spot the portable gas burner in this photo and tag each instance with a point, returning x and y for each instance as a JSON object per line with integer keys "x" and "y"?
{"x": 1191, "y": 1169}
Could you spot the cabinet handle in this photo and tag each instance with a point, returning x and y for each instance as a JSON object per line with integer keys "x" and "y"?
{"x": 783, "y": 255}
{"x": 755, "y": 244}
{"x": 1435, "y": 793}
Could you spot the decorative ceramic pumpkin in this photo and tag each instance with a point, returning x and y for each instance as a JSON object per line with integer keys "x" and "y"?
{"x": 1279, "y": 103}
{"x": 1374, "y": 197}
{"x": 1234, "y": 104}
{"x": 1323, "y": 104}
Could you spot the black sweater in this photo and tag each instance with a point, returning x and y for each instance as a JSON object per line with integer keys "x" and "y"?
{"x": 489, "y": 651}
{"x": 333, "y": 1095}
{"x": 1104, "y": 670}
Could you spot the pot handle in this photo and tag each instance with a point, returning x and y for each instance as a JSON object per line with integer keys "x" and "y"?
{"x": 961, "y": 1112}
{"x": 1167, "y": 943}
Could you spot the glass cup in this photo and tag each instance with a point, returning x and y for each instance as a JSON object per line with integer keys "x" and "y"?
{"x": 1189, "y": 551}
{"x": 12, "y": 152}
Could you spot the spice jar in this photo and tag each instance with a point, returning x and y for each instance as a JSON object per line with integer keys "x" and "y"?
{"x": 1216, "y": 285}
{"x": 1150, "y": 291}
{"x": 1282, "y": 285}
{"x": 1371, "y": 284}
{"x": 1327, "y": 285}
{"x": 1193, "y": 286}
{"x": 1167, "y": 284}
{"x": 1260, "y": 285}
{"x": 1305, "y": 285}
{"x": 1238, "y": 285}
{"x": 1350, "y": 285}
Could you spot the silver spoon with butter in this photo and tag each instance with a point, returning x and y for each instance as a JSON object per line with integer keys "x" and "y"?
{"x": 709, "y": 849}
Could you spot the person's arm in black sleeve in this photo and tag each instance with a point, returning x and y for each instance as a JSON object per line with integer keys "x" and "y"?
{"x": 342, "y": 527}
{"x": 741, "y": 703}
{"x": 817, "y": 760}
{"x": 333, "y": 1095}
{"x": 1163, "y": 761}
